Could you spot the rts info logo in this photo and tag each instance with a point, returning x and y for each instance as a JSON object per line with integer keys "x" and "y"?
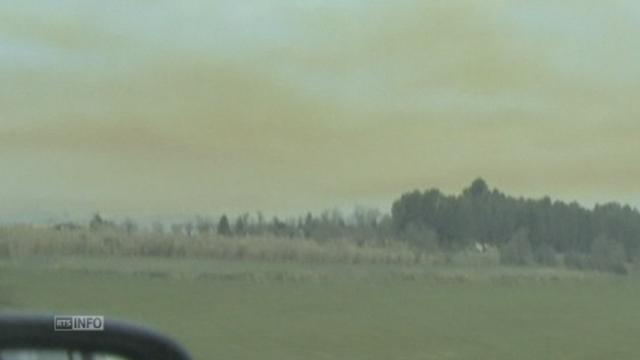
{"x": 79, "y": 323}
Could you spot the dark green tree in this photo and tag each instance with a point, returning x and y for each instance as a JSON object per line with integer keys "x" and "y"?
{"x": 224, "y": 229}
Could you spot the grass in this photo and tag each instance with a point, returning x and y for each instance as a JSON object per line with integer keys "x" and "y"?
{"x": 224, "y": 309}
{"x": 23, "y": 241}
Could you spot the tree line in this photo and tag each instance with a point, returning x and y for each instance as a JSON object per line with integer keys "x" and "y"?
{"x": 362, "y": 225}
{"x": 524, "y": 230}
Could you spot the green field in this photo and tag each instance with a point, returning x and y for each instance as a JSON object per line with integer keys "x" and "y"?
{"x": 259, "y": 310}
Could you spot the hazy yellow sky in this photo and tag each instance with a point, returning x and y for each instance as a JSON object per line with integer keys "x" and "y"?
{"x": 183, "y": 107}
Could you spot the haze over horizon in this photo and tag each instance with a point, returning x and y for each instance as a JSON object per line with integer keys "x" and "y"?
{"x": 223, "y": 106}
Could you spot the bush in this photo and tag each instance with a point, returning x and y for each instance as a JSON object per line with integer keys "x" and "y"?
{"x": 421, "y": 237}
{"x": 577, "y": 261}
{"x": 518, "y": 250}
{"x": 545, "y": 255}
{"x": 619, "y": 269}
{"x": 607, "y": 255}
{"x": 4, "y": 250}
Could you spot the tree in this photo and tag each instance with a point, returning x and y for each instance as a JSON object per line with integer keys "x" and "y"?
{"x": 478, "y": 188}
{"x": 224, "y": 229}
{"x": 157, "y": 227}
{"x": 98, "y": 222}
{"x": 241, "y": 225}
{"x": 204, "y": 226}
{"x": 129, "y": 226}
{"x": 518, "y": 250}
{"x": 607, "y": 255}
{"x": 421, "y": 237}
{"x": 491, "y": 217}
{"x": 177, "y": 229}
{"x": 544, "y": 255}
{"x": 308, "y": 226}
{"x": 188, "y": 228}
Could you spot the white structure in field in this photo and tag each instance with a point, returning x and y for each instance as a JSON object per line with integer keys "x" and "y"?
{"x": 481, "y": 247}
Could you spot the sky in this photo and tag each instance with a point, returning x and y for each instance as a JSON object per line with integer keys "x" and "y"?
{"x": 144, "y": 108}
